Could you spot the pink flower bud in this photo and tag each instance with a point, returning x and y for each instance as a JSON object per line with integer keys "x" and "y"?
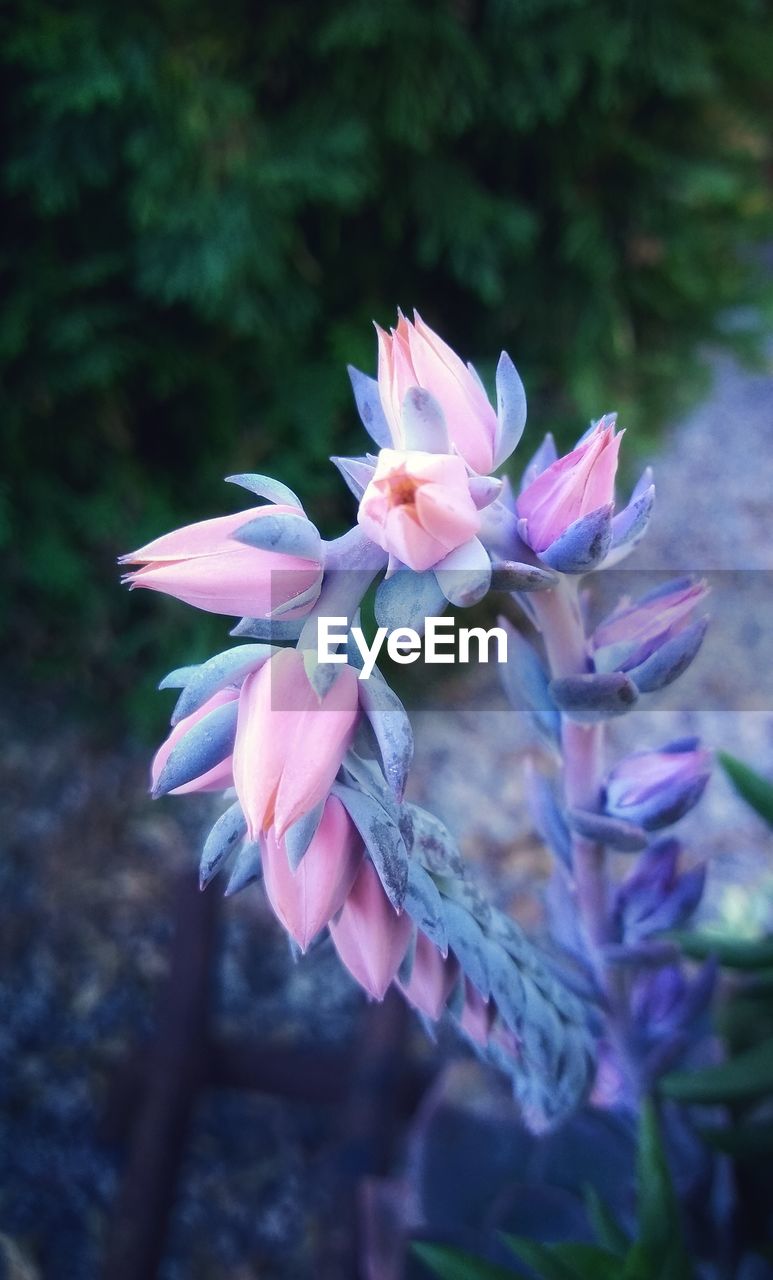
{"x": 432, "y": 979}
{"x": 305, "y": 900}
{"x": 205, "y": 566}
{"x": 414, "y": 356}
{"x": 289, "y": 741}
{"x": 369, "y": 936}
{"x": 570, "y": 488}
{"x": 476, "y": 1015}
{"x": 418, "y": 506}
{"x": 216, "y": 779}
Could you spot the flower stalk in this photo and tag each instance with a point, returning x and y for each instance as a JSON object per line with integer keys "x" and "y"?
{"x": 559, "y": 618}
{"x": 314, "y": 760}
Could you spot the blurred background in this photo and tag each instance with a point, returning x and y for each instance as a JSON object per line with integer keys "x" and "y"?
{"x": 204, "y": 208}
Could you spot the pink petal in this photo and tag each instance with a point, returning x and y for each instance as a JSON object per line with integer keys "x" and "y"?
{"x": 571, "y": 487}
{"x": 449, "y": 515}
{"x": 320, "y": 736}
{"x": 405, "y": 538}
{"x": 432, "y": 979}
{"x": 465, "y": 376}
{"x": 403, "y": 378}
{"x": 241, "y": 581}
{"x": 470, "y": 419}
{"x": 206, "y": 537}
{"x": 600, "y": 488}
{"x": 258, "y": 751}
{"x": 306, "y": 900}
{"x": 369, "y": 936}
{"x": 389, "y": 404}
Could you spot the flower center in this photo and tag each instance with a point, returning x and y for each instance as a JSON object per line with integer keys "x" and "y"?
{"x": 400, "y": 488}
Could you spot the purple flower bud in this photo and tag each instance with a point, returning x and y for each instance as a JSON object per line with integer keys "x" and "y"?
{"x": 655, "y": 788}
{"x": 659, "y": 626}
{"x": 664, "y": 1003}
{"x": 656, "y": 999}
{"x": 656, "y": 896}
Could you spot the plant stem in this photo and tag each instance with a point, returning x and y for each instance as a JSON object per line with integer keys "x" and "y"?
{"x": 560, "y": 621}
{"x": 558, "y": 616}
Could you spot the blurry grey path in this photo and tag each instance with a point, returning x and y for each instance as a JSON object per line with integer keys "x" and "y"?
{"x": 714, "y": 513}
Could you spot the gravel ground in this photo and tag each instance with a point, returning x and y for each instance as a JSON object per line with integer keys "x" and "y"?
{"x": 86, "y": 879}
{"x": 87, "y": 866}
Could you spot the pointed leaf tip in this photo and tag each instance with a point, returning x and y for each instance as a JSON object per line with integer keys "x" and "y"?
{"x": 266, "y": 487}
{"x": 368, "y": 401}
{"x": 511, "y": 408}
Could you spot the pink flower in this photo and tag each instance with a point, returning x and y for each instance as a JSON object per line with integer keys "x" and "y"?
{"x": 306, "y": 899}
{"x": 289, "y": 741}
{"x": 204, "y": 565}
{"x": 216, "y": 779}
{"x": 432, "y": 979}
{"x": 369, "y": 936}
{"x": 570, "y": 488}
{"x": 414, "y": 356}
{"x": 418, "y": 506}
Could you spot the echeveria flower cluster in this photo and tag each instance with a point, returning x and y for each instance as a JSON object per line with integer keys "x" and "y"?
{"x": 314, "y": 760}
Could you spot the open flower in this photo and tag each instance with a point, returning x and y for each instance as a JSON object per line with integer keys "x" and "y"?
{"x": 418, "y": 506}
{"x": 205, "y": 565}
{"x": 306, "y": 899}
{"x": 412, "y": 355}
{"x": 289, "y": 741}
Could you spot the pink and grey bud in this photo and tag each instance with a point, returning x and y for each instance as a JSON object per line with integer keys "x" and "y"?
{"x": 201, "y": 774}
{"x": 418, "y": 507}
{"x": 370, "y": 937}
{"x": 306, "y": 899}
{"x": 412, "y": 355}
{"x": 655, "y": 788}
{"x": 654, "y": 639}
{"x": 565, "y": 513}
{"x": 433, "y": 977}
{"x": 477, "y": 1015}
{"x": 206, "y": 565}
{"x": 290, "y": 741}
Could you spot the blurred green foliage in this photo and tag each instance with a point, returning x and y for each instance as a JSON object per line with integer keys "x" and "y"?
{"x": 206, "y": 204}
